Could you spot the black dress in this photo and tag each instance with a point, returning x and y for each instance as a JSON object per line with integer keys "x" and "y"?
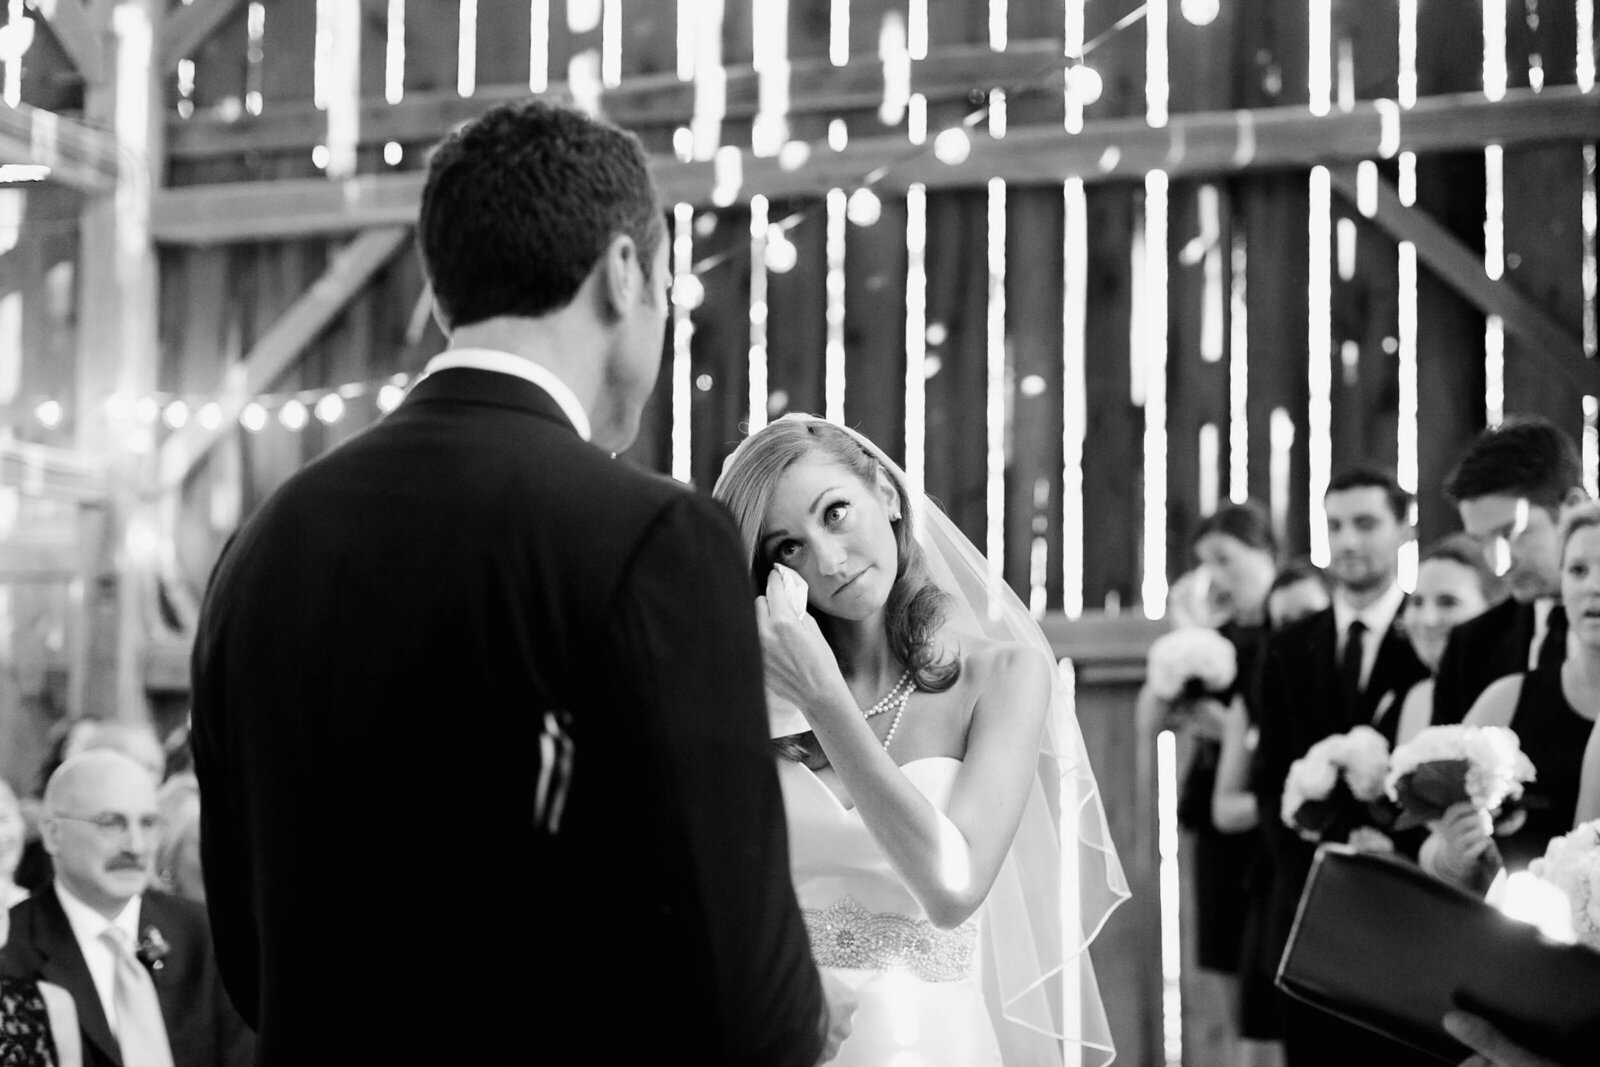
{"x": 1553, "y": 736}
{"x": 1223, "y": 862}
{"x": 25, "y": 1039}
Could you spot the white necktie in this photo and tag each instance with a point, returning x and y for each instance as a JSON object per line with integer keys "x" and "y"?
{"x": 141, "y": 1031}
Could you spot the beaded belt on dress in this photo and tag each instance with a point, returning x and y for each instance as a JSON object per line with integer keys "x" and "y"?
{"x": 846, "y": 935}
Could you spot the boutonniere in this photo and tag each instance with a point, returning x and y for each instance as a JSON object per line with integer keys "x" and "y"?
{"x": 152, "y": 950}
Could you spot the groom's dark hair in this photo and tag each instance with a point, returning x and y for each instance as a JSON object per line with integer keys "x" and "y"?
{"x": 521, "y": 203}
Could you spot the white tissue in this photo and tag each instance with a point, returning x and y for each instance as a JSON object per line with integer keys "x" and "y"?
{"x": 794, "y": 587}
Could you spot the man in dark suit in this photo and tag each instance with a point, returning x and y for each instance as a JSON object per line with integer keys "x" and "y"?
{"x": 473, "y": 596}
{"x": 1510, "y": 488}
{"x": 1342, "y": 667}
{"x": 138, "y": 963}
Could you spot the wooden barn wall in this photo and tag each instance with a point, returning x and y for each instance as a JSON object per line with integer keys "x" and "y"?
{"x": 217, "y": 302}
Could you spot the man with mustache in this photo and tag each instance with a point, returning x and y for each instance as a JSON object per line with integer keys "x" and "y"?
{"x": 1344, "y": 666}
{"x": 138, "y": 963}
{"x": 1510, "y": 488}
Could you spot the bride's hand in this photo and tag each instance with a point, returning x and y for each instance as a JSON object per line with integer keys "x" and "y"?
{"x": 800, "y": 667}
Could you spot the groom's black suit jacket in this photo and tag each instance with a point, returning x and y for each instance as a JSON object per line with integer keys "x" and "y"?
{"x": 393, "y": 656}
{"x": 203, "y": 1028}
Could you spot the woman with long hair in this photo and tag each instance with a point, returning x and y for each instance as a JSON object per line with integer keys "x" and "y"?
{"x": 926, "y": 752}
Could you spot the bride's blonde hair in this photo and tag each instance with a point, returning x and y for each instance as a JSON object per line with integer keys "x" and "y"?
{"x": 916, "y": 607}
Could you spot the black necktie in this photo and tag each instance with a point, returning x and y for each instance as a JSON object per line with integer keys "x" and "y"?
{"x": 1554, "y": 650}
{"x": 1350, "y": 664}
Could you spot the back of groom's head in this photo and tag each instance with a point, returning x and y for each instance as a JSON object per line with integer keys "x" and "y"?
{"x": 521, "y": 203}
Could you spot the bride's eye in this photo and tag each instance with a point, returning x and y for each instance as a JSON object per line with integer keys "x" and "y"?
{"x": 836, "y": 512}
{"x": 785, "y": 552}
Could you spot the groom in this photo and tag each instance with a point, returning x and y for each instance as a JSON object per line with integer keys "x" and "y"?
{"x": 469, "y": 639}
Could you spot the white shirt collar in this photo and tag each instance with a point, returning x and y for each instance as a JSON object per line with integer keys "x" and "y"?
{"x": 505, "y": 363}
{"x": 88, "y": 924}
{"x": 1377, "y": 616}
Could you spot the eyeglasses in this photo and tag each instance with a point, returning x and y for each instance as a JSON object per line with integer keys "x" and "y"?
{"x": 112, "y": 824}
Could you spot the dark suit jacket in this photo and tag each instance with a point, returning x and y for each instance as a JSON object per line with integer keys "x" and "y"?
{"x": 202, "y": 1026}
{"x": 1301, "y": 703}
{"x": 380, "y": 650}
{"x": 1481, "y": 650}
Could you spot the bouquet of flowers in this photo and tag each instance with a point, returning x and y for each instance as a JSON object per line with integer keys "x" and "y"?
{"x": 1445, "y": 765}
{"x": 1337, "y": 787}
{"x": 1191, "y": 662}
{"x": 1571, "y": 863}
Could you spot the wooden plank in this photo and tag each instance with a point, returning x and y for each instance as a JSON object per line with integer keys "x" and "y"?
{"x": 797, "y": 303}
{"x": 1197, "y": 387}
{"x": 76, "y": 34}
{"x": 1207, "y": 143}
{"x": 79, "y": 155}
{"x": 719, "y": 400}
{"x": 1544, "y": 248}
{"x": 1275, "y": 284}
{"x": 1034, "y": 327}
{"x": 187, "y": 26}
{"x": 281, "y": 345}
{"x": 875, "y": 328}
{"x": 47, "y": 471}
{"x": 1560, "y": 349}
{"x": 1450, "y": 330}
{"x": 957, "y": 375}
{"x": 1114, "y": 432}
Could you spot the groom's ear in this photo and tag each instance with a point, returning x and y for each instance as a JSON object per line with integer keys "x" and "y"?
{"x": 621, "y": 276}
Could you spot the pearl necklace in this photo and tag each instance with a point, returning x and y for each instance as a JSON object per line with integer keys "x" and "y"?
{"x": 895, "y": 699}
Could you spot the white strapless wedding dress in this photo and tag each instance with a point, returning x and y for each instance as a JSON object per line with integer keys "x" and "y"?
{"x": 921, "y": 1004}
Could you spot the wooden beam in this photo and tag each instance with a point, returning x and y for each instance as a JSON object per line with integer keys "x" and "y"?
{"x": 1560, "y": 349}
{"x": 76, "y": 34}
{"x": 24, "y": 559}
{"x": 78, "y": 155}
{"x": 818, "y": 87}
{"x": 185, "y": 28}
{"x": 1200, "y": 143}
{"x": 57, "y": 473}
{"x": 278, "y": 349}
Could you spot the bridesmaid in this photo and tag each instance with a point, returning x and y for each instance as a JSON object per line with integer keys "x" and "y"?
{"x": 1454, "y": 584}
{"x": 1553, "y": 710}
{"x": 1237, "y": 557}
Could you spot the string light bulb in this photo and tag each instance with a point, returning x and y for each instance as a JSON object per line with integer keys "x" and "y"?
{"x": 389, "y": 397}
{"x": 176, "y": 415}
{"x": 863, "y": 208}
{"x": 330, "y": 409}
{"x": 952, "y": 146}
{"x": 210, "y": 416}
{"x": 253, "y": 417}
{"x": 688, "y": 291}
{"x": 780, "y": 254}
{"x": 293, "y": 415}
{"x": 48, "y": 413}
{"x": 147, "y": 410}
{"x": 1200, "y": 12}
{"x": 1084, "y": 83}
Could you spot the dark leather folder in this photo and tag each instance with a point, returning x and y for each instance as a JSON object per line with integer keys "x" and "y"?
{"x": 1378, "y": 942}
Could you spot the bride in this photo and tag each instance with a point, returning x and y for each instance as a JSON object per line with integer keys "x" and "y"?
{"x": 948, "y": 845}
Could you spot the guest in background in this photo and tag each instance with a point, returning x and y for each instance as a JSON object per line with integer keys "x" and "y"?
{"x": 1510, "y": 488}
{"x": 1345, "y": 666}
{"x": 138, "y": 741}
{"x": 137, "y": 962}
{"x": 1454, "y": 584}
{"x": 38, "y": 1025}
{"x": 178, "y": 855}
{"x": 13, "y": 833}
{"x": 1299, "y": 589}
{"x": 1237, "y": 559}
{"x": 1552, "y": 709}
